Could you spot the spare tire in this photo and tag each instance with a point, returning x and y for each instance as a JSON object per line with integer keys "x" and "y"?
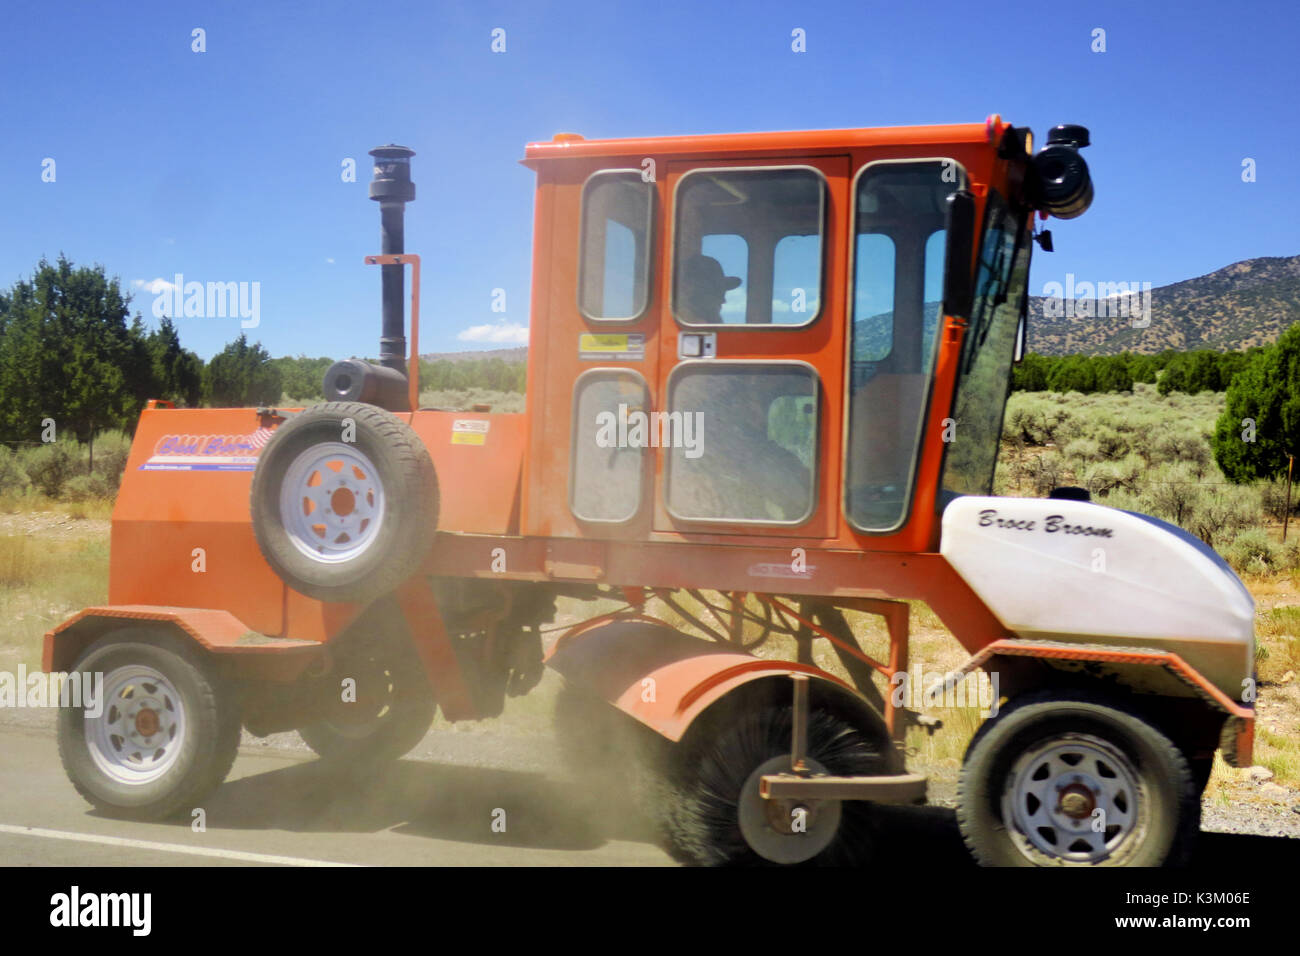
{"x": 344, "y": 502}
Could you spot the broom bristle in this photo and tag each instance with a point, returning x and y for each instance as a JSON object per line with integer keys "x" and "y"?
{"x": 701, "y": 817}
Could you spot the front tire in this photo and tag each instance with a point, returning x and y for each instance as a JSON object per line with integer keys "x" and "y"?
{"x": 1073, "y": 780}
{"x": 167, "y": 734}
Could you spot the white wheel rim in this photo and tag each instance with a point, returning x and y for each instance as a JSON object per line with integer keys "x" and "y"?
{"x": 1054, "y": 790}
{"x": 140, "y": 734}
{"x": 332, "y": 503}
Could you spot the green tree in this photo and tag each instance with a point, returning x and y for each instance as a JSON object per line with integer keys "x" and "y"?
{"x": 1142, "y": 368}
{"x": 68, "y": 354}
{"x": 242, "y": 375}
{"x": 303, "y": 377}
{"x": 1111, "y": 374}
{"x": 176, "y": 373}
{"x": 1260, "y": 423}
{"x": 1030, "y": 375}
{"x": 1074, "y": 374}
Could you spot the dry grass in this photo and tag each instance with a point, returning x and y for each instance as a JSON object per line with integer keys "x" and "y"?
{"x": 31, "y": 501}
{"x": 43, "y": 582}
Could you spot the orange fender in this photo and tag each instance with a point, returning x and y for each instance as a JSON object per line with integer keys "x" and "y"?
{"x": 662, "y": 677}
{"x": 244, "y": 652}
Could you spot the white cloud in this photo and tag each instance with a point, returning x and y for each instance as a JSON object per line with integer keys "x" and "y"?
{"x": 154, "y": 286}
{"x": 510, "y": 332}
{"x": 330, "y": 261}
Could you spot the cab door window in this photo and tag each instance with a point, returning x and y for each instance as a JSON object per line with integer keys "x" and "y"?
{"x": 898, "y": 260}
{"x": 747, "y": 246}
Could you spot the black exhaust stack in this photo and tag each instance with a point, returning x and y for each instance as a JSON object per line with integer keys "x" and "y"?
{"x": 383, "y": 384}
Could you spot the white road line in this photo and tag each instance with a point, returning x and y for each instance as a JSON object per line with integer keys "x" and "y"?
{"x": 166, "y": 847}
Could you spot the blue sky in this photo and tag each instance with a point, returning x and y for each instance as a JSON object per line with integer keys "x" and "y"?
{"x": 225, "y": 165}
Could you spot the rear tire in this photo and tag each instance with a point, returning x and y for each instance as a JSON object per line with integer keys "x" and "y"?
{"x": 167, "y": 735}
{"x": 1034, "y": 776}
{"x": 393, "y": 709}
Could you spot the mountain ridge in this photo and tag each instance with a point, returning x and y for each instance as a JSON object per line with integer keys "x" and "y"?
{"x": 1244, "y": 304}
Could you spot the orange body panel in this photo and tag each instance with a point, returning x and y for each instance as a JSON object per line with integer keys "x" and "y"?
{"x": 181, "y": 534}
{"x": 478, "y": 458}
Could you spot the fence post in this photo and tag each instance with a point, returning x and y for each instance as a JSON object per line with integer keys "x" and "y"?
{"x": 1286, "y": 515}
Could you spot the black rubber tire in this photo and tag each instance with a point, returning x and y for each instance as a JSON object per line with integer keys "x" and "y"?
{"x": 722, "y": 749}
{"x": 410, "y": 512}
{"x": 392, "y": 735}
{"x": 211, "y": 728}
{"x": 1169, "y": 804}
{"x": 1201, "y": 768}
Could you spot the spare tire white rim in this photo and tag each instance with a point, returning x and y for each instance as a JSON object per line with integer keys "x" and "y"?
{"x": 332, "y": 503}
{"x": 140, "y": 733}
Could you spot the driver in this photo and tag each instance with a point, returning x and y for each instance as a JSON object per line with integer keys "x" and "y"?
{"x": 702, "y": 288}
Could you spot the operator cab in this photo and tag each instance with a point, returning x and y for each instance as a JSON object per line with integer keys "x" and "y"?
{"x": 747, "y": 334}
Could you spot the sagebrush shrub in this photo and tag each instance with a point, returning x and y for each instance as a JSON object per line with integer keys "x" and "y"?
{"x": 13, "y": 479}
{"x": 50, "y": 466}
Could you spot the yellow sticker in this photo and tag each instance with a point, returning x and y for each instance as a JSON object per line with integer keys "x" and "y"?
{"x": 470, "y": 431}
{"x": 591, "y": 342}
{"x": 610, "y": 345}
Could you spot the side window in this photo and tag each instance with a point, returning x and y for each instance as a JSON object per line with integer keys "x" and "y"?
{"x": 1002, "y": 273}
{"x": 614, "y": 265}
{"x": 796, "y": 279}
{"x": 748, "y": 246}
{"x": 605, "y": 469}
{"x": 899, "y": 241}
{"x": 751, "y": 451}
{"x": 873, "y": 299}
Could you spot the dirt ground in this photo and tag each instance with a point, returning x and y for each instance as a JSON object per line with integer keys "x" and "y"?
{"x": 55, "y": 525}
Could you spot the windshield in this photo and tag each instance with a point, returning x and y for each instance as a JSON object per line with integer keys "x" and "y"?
{"x": 987, "y": 353}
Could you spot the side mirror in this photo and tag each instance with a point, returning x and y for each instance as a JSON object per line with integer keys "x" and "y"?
{"x": 959, "y": 221}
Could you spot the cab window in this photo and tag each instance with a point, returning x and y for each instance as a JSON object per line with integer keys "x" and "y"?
{"x": 614, "y": 265}
{"x": 898, "y": 260}
{"x": 752, "y": 451}
{"x": 748, "y": 247}
{"x": 605, "y": 474}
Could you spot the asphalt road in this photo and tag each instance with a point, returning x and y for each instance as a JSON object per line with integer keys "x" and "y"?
{"x": 280, "y": 807}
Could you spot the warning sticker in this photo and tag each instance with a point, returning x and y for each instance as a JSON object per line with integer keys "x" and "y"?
{"x": 470, "y": 431}
{"x": 615, "y": 347}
